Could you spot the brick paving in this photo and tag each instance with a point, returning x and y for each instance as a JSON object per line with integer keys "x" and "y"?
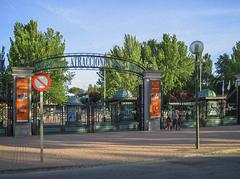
{"x": 106, "y": 148}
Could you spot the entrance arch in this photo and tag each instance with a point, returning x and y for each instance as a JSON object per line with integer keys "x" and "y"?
{"x": 94, "y": 61}
{"x": 148, "y": 94}
{"x": 89, "y": 61}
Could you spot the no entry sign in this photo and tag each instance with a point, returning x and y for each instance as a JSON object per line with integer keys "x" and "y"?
{"x": 41, "y": 82}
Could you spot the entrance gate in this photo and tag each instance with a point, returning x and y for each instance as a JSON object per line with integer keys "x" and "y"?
{"x": 91, "y": 117}
{"x": 98, "y": 61}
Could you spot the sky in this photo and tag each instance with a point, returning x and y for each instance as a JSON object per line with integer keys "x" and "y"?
{"x": 95, "y": 26}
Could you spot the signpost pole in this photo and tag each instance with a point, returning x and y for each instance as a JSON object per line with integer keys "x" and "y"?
{"x": 41, "y": 125}
{"x": 41, "y": 82}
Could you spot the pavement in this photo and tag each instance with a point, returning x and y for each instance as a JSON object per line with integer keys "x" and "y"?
{"x": 22, "y": 154}
{"x": 194, "y": 168}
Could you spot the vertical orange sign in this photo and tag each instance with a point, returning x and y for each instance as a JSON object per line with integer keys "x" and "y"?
{"x": 155, "y": 109}
{"x": 22, "y": 100}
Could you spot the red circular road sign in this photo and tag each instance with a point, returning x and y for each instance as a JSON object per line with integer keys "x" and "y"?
{"x": 41, "y": 82}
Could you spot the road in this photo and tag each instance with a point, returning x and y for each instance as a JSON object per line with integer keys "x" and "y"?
{"x": 210, "y": 167}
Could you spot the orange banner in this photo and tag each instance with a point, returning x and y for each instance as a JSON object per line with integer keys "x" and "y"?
{"x": 22, "y": 100}
{"x": 155, "y": 103}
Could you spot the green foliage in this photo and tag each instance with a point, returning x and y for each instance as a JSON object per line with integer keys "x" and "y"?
{"x": 207, "y": 69}
{"x": 207, "y": 76}
{"x": 224, "y": 67}
{"x": 227, "y": 67}
{"x": 5, "y": 79}
{"x": 94, "y": 93}
{"x": 131, "y": 50}
{"x": 76, "y": 91}
{"x": 93, "y": 89}
{"x": 169, "y": 56}
{"x": 32, "y": 45}
{"x": 236, "y": 59}
{"x": 2, "y": 60}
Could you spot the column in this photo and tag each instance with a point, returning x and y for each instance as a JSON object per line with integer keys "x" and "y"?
{"x": 151, "y": 100}
{"x": 22, "y": 101}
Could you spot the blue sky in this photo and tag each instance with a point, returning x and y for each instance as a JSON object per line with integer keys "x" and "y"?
{"x": 96, "y": 26}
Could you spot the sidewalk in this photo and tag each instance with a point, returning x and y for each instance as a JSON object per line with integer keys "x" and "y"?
{"x": 84, "y": 150}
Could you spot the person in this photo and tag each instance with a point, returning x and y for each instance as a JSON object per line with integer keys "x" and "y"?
{"x": 178, "y": 124}
{"x": 161, "y": 122}
{"x": 174, "y": 119}
{"x": 187, "y": 116}
{"x": 168, "y": 122}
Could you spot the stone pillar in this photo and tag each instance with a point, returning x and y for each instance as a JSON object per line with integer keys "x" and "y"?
{"x": 150, "y": 122}
{"x": 22, "y": 101}
{"x": 238, "y": 97}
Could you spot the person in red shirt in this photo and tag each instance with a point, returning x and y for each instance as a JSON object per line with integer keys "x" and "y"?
{"x": 178, "y": 125}
{"x": 168, "y": 122}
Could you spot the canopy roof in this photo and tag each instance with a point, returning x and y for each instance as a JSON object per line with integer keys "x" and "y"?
{"x": 123, "y": 93}
{"x": 74, "y": 101}
{"x": 206, "y": 93}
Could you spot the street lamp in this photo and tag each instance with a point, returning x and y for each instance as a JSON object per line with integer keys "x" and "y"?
{"x": 196, "y": 48}
{"x": 149, "y": 65}
{"x": 22, "y": 61}
{"x": 200, "y": 73}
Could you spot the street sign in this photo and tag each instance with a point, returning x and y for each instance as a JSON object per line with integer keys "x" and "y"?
{"x": 41, "y": 82}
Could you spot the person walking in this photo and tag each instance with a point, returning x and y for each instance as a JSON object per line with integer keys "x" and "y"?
{"x": 178, "y": 124}
{"x": 174, "y": 119}
{"x": 168, "y": 122}
{"x": 187, "y": 116}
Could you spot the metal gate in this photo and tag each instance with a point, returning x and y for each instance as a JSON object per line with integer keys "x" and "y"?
{"x": 6, "y": 105}
{"x": 90, "y": 117}
{"x": 6, "y": 119}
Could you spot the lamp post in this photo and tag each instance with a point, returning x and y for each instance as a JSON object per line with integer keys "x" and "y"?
{"x": 200, "y": 73}
{"x": 22, "y": 61}
{"x": 196, "y": 48}
{"x": 149, "y": 65}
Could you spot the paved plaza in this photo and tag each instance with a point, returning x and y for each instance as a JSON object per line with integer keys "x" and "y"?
{"x": 111, "y": 148}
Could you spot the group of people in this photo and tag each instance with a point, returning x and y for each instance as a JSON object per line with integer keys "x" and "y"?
{"x": 174, "y": 122}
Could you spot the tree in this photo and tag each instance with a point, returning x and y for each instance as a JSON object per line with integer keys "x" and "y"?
{"x": 2, "y": 73}
{"x": 6, "y": 84}
{"x": 32, "y": 45}
{"x": 76, "y": 91}
{"x": 208, "y": 80}
{"x": 131, "y": 50}
{"x": 224, "y": 67}
{"x": 207, "y": 75}
{"x": 236, "y": 59}
{"x": 227, "y": 67}
{"x": 171, "y": 58}
{"x": 2, "y": 61}
{"x": 94, "y": 93}
{"x": 93, "y": 89}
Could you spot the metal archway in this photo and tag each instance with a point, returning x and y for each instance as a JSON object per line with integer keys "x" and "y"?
{"x": 89, "y": 61}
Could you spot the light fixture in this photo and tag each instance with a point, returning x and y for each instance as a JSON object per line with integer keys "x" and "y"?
{"x": 149, "y": 65}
